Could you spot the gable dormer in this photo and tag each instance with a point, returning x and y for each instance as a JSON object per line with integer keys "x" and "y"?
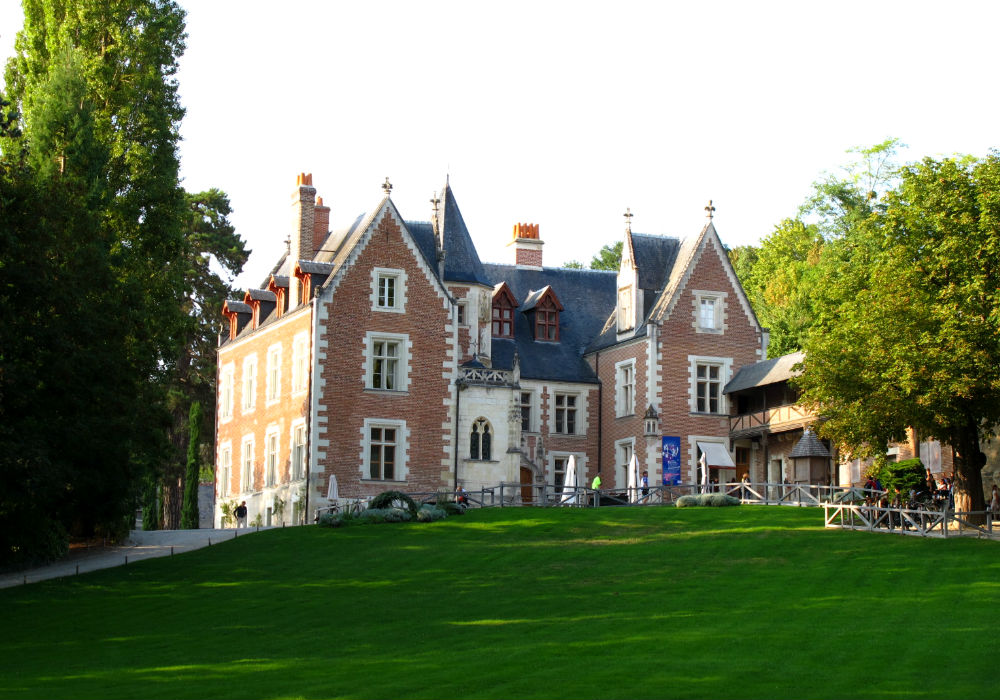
{"x": 262, "y": 303}
{"x": 504, "y": 304}
{"x": 238, "y": 314}
{"x": 311, "y": 276}
{"x": 542, "y": 309}
{"x": 278, "y": 285}
{"x": 628, "y": 282}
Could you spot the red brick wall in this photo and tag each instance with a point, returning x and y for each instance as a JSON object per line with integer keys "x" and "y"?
{"x": 287, "y": 409}
{"x": 740, "y": 341}
{"x": 346, "y": 403}
{"x": 615, "y": 428}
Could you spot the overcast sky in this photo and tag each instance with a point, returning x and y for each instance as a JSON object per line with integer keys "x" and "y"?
{"x": 564, "y": 114}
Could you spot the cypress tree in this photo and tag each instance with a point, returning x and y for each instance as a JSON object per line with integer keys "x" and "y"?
{"x": 189, "y": 512}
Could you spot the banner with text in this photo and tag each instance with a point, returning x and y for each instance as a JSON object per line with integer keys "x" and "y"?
{"x": 671, "y": 460}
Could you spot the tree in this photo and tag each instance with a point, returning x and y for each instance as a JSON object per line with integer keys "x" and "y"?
{"x": 780, "y": 279}
{"x": 189, "y": 514}
{"x": 91, "y": 220}
{"x": 795, "y": 262}
{"x": 906, "y": 330}
{"x": 210, "y": 243}
{"x": 608, "y": 258}
{"x": 573, "y": 265}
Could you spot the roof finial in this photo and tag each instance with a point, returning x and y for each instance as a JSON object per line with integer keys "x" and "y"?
{"x": 628, "y": 219}
{"x": 387, "y": 186}
{"x": 710, "y": 209}
{"x": 435, "y": 201}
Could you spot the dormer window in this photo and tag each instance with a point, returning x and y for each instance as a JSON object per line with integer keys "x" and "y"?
{"x": 504, "y": 304}
{"x": 546, "y": 321}
{"x": 542, "y": 308}
{"x": 625, "y": 313}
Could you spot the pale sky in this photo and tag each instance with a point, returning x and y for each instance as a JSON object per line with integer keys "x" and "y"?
{"x": 564, "y": 114}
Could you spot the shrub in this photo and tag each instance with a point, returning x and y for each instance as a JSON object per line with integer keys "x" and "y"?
{"x": 451, "y": 508}
{"x": 905, "y": 475}
{"x": 372, "y": 516}
{"x": 717, "y": 500}
{"x": 330, "y": 520}
{"x": 429, "y": 513}
{"x": 394, "y": 499}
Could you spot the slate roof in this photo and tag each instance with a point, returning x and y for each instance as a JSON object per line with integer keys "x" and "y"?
{"x": 758, "y": 374}
{"x": 262, "y": 295}
{"x": 238, "y": 307}
{"x": 809, "y": 446}
{"x": 461, "y": 263}
{"x": 587, "y": 296}
{"x": 656, "y": 258}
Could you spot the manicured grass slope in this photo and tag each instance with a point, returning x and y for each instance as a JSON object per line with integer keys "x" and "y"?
{"x": 609, "y": 603}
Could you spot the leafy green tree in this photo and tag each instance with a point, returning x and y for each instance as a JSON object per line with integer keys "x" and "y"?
{"x": 608, "y": 258}
{"x": 210, "y": 243}
{"x": 906, "y": 330}
{"x": 573, "y": 265}
{"x": 189, "y": 513}
{"x": 92, "y": 260}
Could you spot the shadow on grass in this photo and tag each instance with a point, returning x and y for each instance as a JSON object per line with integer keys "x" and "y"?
{"x": 653, "y": 602}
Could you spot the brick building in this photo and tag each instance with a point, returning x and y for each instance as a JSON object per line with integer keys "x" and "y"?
{"x": 387, "y": 355}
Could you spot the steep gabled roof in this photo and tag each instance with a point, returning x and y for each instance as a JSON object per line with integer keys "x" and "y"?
{"x": 461, "y": 262}
{"x": 680, "y": 274}
{"x": 535, "y": 298}
{"x": 363, "y": 226}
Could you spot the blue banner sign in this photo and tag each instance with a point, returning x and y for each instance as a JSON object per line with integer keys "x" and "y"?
{"x": 671, "y": 460}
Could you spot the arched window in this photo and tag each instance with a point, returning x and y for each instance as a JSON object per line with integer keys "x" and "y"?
{"x": 481, "y": 440}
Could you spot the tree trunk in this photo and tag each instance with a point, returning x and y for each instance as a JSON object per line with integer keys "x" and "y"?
{"x": 969, "y": 463}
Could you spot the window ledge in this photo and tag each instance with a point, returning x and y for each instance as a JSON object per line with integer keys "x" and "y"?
{"x": 386, "y": 392}
{"x": 384, "y": 481}
{"x": 711, "y": 415}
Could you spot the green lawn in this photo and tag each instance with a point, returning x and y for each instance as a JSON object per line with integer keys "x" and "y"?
{"x": 748, "y": 602}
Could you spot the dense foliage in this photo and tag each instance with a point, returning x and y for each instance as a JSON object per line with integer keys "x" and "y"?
{"x": 906, "y": 331}
{"x": 96, "y": 281}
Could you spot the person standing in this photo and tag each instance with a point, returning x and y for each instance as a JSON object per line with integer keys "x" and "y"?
{"x": 645, "y": 483}
{"x": 995, "y": 502}
{"x": 241, "y": 515}
{"x": 596, "y": 486}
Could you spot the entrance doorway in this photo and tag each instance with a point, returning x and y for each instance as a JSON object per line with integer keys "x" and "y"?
{"x": 527, "y": 479}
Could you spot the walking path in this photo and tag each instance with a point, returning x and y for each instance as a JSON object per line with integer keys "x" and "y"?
{"x": 139, "y": 545}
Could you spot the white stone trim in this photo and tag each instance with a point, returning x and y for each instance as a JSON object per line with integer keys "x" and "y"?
{"x": 720, "y": 317}
{"x": 248, "y": 383}
{"x": 402, "y": 374}
{"x": 402, "y": 449}
{"x": 227, "y": 392}
{"x": 725, "y": 374}
{"x": 399, "y": 305}
{"x": 272, "y": 388}
{"x": 622, "y": 407}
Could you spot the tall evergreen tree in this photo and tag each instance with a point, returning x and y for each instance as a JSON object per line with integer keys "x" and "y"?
{"x": 189, "y": 512}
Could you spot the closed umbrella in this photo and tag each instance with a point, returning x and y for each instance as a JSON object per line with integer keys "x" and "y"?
{"x": 704, "y": 472}
{"x": 569, "y": 482}
{"x": 633, "y": 479}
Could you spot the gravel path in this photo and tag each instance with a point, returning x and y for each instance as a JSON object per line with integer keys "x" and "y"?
{"x": 139, "y": 545}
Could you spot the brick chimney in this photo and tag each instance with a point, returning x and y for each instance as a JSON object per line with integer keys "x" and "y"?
{"x": 321, "y": 226}
{"x": 302, "y": 233}
{"x": 527, "y": 246}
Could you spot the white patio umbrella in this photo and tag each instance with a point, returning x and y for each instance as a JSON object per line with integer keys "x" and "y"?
{"x": 704, "y": 472}
{"x": 569, "y": 482}
{"x": 633, "y": 479}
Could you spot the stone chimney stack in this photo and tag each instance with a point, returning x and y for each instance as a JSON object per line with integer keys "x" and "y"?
{"x": 527, "y": 246}
{"x": 321, "y": 225}
{"x": 302, "y": 233}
